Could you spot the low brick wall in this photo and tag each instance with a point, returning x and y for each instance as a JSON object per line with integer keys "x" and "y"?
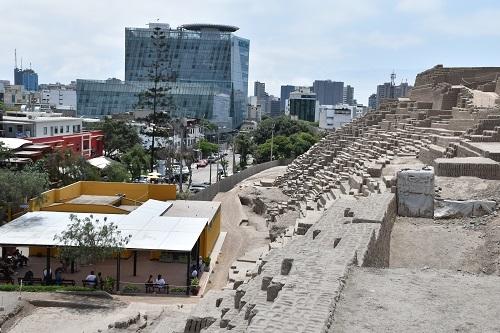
{"x": 480, "y": 167}
{"x": 228, "y": 183}
{"x": 428, "y": 154}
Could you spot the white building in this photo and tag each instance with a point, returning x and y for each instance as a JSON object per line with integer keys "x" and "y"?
{"x": 59, "y": 97}
{"x": 334, "y": 116}
{"x": 39, "y": 125}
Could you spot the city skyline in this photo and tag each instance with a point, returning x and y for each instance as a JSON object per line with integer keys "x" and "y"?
{"x": 358, "y": 42}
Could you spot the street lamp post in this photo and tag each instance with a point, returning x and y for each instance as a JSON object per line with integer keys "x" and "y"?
{"x": 272, "y": 141}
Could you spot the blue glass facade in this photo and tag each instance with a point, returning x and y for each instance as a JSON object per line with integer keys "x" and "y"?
{"x": 27, "y": 78}
{"x": 204, "y": 62}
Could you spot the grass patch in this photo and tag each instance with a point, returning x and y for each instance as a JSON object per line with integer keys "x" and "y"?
{"x": 14, "y": 287}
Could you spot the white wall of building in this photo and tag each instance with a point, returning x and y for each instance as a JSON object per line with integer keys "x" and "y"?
{"x": 59, "y": 97}
{"x": 334, "y": 116}
{"x": 39, "y": 126}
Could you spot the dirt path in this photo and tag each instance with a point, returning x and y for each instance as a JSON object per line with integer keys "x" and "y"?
{"x": 239, "y": 239}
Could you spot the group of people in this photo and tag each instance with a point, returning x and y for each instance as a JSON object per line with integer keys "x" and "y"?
{"x": 93, "y": 280}
{"x": 19, "y": 259}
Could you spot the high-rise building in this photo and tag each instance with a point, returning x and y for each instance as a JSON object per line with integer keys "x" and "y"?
{"x": 391, "y": 91}
{"x": 285, "y": 94}
{"x": 303, "y": 104}
{"x": 372, "y": 101}
{"x": 259, "y": 89}
{"x": 275, "y": 108}
{"x": 348, "y": 97}
{"x": 329, "y": 92}
{"x": 206, "y": 66}
{"x": 27, "y": 78}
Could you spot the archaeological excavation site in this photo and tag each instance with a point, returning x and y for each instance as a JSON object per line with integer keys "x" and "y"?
{"x": 388, "y": 224}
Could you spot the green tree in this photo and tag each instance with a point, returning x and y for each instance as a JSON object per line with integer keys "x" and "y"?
{"x": 88, "y": 240}
{"x": 157, "y": 97}
{"x": 18, "y": 187}
{"x": 67, "y": 167}
{"x": 206, "y": 147}
{"x": 5, "y": 152}
{"x": 282, "y": 126}
{"x": 284, "y": 147}
{"x": 136, "y": 161}
{"x": 244, "y": 145}
{"x": 116, "y": 172}
{"x": 118, "y": 137}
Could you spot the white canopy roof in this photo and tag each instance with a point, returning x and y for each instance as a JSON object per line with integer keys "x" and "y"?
{"x": 147, "y": 228}
{"x": 14, "y": 143}
{"x": 100, "y": 162}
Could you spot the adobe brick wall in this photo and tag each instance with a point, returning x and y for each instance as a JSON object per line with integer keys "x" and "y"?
{"x": 480, "y": 167}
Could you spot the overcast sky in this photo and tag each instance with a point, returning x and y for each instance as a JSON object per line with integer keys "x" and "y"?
{"x": 295, "y": 42}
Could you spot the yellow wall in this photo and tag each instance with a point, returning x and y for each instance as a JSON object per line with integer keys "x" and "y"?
{"x": 133, "y": 192}
{"x": 139, "y": 192}
{"x": 69, "y": 192}
{"x": 162, "y": 192}
{"x": 83, "y": 208}
{"x": 209, "y": 236}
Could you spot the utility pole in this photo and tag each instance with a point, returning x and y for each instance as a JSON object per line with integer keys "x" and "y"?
{"x": 181, "y": 180}
{"x": 272, "y": 141}
{"x": 218, "y": 154}
{"x": 234, "y": 154}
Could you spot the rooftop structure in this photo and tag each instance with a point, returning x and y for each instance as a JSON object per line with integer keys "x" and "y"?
{"x": 202, "y": 63}
{"x": 208, "y": 26}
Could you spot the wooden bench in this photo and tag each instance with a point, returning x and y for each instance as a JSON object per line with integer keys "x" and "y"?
{"x": 90, "y": 284}
{"x": 153, "y": 287}
{"x": 6, "y": 280}
{"x": 67, "y": 282}
{"x": 29, "y": 282}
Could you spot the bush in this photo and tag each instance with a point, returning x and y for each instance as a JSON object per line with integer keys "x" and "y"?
{"x": 14, "y": 287}
{"x": 130, "y": 289}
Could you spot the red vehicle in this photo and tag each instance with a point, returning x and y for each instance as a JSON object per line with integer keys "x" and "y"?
{"x": 201, "y": 163}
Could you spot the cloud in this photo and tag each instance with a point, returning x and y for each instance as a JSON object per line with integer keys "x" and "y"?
{"x": 291, "y": 41}
{"x": 419, "y": 6}
{"x": 390, "y": 40}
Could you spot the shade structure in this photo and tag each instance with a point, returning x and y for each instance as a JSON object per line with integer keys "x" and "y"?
{"x": 148, "y": 229}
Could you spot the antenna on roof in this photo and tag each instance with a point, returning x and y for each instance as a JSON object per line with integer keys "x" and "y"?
{"x": 21, "y": 62}
{"x": 15, "y": 57}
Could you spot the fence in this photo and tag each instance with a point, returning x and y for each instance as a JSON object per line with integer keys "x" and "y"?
{"x": 228, "y": 183}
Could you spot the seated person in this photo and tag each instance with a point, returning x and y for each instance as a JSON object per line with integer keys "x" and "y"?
{"x": 91, "y": 279}
{"x": 28, "y": 278}
{"x": 19, "y": 259}
{"x": 47, "y": 275}
{"x": 100, "y": 280}
{"x": 160, "y": 282}
{"x": 149, "y": 284}
{"x": 58, "y": 276}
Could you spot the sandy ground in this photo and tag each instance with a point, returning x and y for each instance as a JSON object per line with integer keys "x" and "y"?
{"x": 404, "y": 300}
{"x": 164, "y": 314}
{"x": 419, "y": 242}
{"x": 466, "y": 244}
{"x": 240, "y": 238}
{"x": 401, "y": 163}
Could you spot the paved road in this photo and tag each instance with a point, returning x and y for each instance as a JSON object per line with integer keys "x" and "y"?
{"x": 201, "y": 175}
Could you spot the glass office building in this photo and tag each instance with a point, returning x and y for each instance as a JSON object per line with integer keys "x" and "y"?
{"x": 207, "y": 67}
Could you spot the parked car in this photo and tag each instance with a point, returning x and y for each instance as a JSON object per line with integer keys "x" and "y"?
{"x": 202, "y": 163}
{"x": 194, "y": 189}
{"x": 202, "y": 185}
